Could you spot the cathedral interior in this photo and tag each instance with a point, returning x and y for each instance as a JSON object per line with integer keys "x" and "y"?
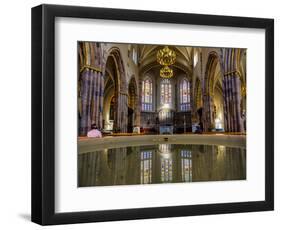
{"x": 138, "y": 89}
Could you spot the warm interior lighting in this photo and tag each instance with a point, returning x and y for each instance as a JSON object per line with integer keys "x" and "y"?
{"x": 166, "y": 72}
{"x": 166, "y": 106}
{"x": 218, "y": 124}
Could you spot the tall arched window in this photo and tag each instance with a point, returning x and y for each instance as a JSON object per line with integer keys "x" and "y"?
{"x": 147, "y": 95}
{"x": 166, "y": 92}
{"x": 184, "y": 95}
{"x": 186, "y": 165}
{"x": 166, "y": 163}
{"x": 146, "y": 167}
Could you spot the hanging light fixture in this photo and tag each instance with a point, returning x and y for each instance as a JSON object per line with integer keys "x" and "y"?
{"x": 166, "y": 72}
{"x": 166, "y": 57}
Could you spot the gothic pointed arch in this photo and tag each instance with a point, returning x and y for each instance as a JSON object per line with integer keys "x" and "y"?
{"x": 115, "y": 71}
{"x": 212, "y": 68}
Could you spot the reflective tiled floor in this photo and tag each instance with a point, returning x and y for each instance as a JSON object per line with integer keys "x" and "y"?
{"x": 161, "y": 163}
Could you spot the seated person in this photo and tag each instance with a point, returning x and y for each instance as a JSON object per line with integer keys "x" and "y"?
{"x": 136, "y": 129}
{"x": 199, "y": 129}
{"x": 94, "y": 132}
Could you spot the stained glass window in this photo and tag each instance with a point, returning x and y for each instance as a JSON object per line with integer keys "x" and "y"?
{"x": 186, "y": 165}
{"x": 147, "y": 95}
{"x": 184, "y": 95}
{"x": 166, "y": 163}
{"x": 146, "y": 167}
{"x": 166, "y": 92}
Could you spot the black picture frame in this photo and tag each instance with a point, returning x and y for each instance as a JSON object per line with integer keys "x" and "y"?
{"x": 43, "y": 114}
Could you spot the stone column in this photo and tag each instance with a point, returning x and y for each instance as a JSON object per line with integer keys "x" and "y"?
{"x": 137, "y": 110}
{"x": 101, "y": 98}
{"x": 208, "y": 118}
{"x": 232, "y": 100}
{"x": 91, "y": 99}
{"x": 232, "y": 91}
{"x": 86, "y": 89}
{"x": 122, "y": 112}
{"x": 139, "y": 104}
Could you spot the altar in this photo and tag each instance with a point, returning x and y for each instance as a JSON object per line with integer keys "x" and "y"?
{"x": 166, "y": 129}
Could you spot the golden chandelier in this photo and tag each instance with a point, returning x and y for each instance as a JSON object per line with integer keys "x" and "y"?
{"x": 166, "y": 56}
{"x": 166, "y": 72}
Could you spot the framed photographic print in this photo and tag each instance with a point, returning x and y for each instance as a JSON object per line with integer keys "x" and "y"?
{"x": 143, "y": 114}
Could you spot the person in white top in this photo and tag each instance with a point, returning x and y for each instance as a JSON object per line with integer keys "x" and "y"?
{"x": 94, "y": 132}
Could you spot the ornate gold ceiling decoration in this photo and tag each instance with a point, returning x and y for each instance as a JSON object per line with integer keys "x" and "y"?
{"x": 166, "y": 57}
{"x": 166, "y": 72}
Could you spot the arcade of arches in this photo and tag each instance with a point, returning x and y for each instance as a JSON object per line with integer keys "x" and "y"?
{"x": 121, "y": 91}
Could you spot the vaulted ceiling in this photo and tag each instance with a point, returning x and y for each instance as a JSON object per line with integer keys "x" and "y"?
{"x": 148, "y": 62}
